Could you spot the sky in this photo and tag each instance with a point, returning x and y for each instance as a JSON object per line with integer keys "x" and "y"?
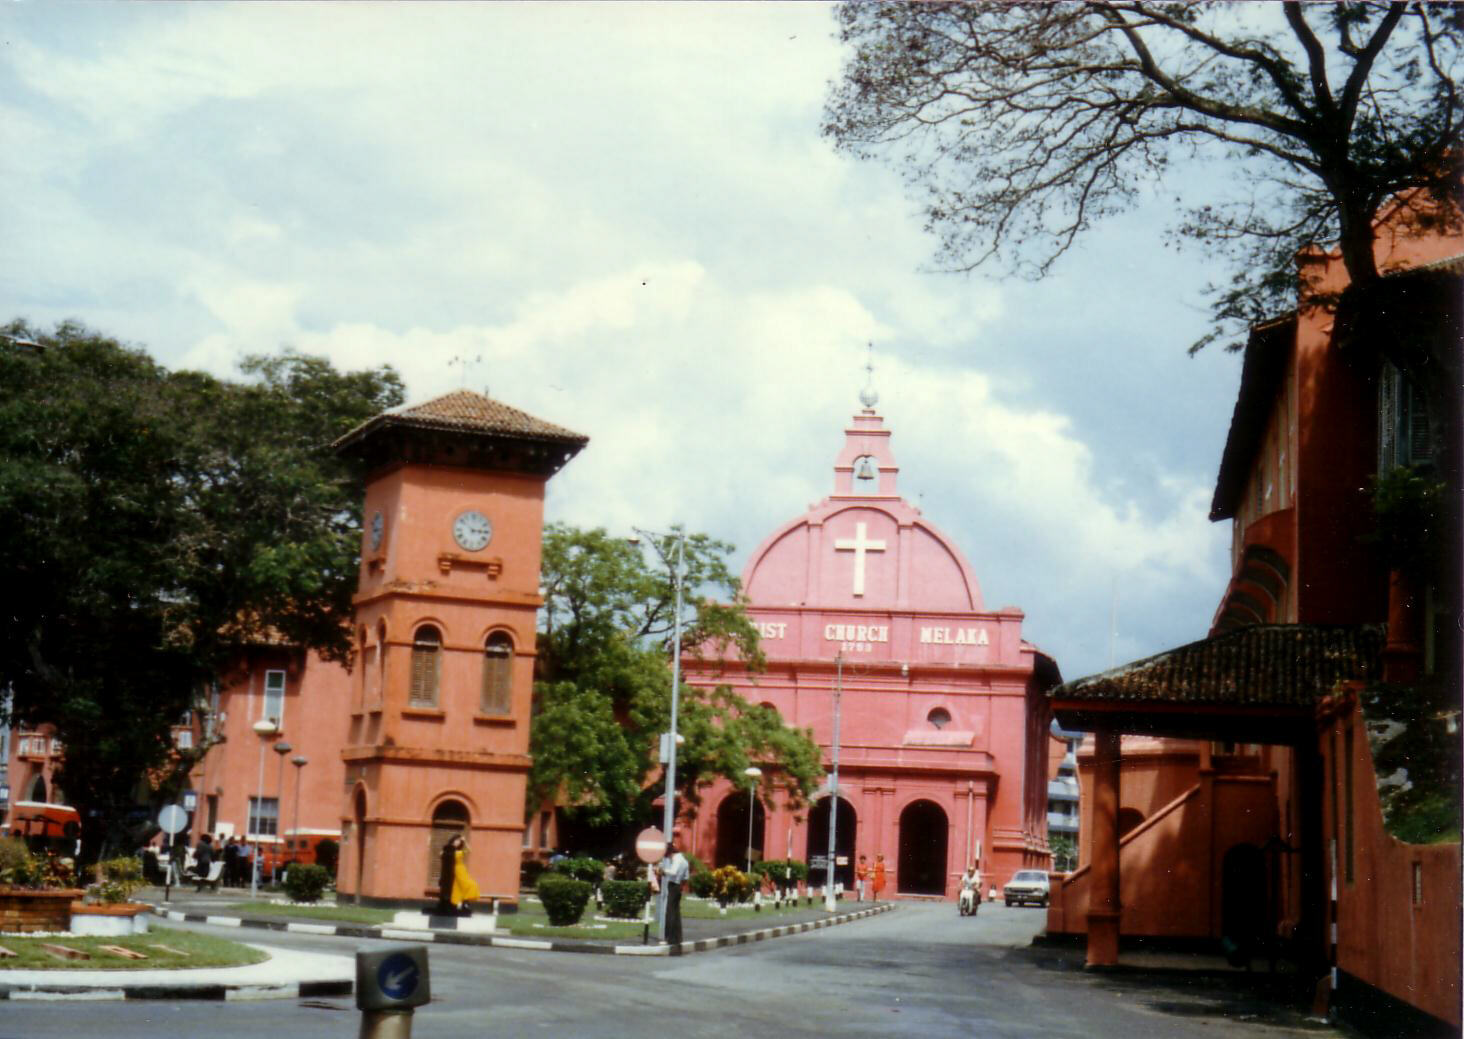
{"x": 622, "y": 218}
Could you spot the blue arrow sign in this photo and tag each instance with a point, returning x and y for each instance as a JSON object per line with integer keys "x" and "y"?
{"x": 397, "y": 977}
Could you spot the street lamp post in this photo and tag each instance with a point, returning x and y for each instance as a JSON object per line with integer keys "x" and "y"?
{"x": 263, "y": 728}
{"x": 668, "y": 815}
{"x": 281, "y": 748}
{"x": 752, "y": 772}
{"x": 834, "y": 789}
{"x": 299, "y": 761}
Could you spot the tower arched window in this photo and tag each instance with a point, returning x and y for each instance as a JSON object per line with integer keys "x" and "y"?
{"x": 497, "y": 695}
{"x": 426, "y": 667}
{"x": 939, "y": 717}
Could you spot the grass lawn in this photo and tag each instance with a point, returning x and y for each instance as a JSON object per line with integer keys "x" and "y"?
{"x": 184, "y": 949}
{"x": 707, "y": 909}
{"x": 320, "y": 911}
{"x": 531, "y": 922}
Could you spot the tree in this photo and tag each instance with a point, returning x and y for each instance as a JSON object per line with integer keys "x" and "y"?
{"x": 603, "y": 693}
{"x": 152, "y": 524}
{"x": 1027, "y": 123}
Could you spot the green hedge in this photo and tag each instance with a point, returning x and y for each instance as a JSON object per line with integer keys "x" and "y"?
{"x": 306, "y": 881}
{"x": 703, "y": 884}
{"x": 564, "y": 898}
{"x": 625, "y": 898}
{"x": 591, "y": 871}
{"x": 786, "y": 873}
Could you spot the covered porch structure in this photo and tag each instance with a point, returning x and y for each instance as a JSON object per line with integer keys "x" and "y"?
{"x": 1258, "y": 685}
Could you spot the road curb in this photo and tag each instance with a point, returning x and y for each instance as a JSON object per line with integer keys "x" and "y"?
{"x": 541, "y": 945}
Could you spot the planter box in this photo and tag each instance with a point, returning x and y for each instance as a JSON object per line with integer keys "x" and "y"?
{"x": 117, "y": 921}
{"x": 23, "y": 910}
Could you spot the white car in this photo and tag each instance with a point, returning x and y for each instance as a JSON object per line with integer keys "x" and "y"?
{"x": 1029, "y": 885}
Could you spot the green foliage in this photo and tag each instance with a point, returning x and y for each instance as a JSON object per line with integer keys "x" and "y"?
{"x": 19, "y": 867}
{"x": 116, "y": 880}
{"x": 604, "y": 689}
{"x": 327, "y": 855}
{"x": 564, "y": 898}
{"x": 1064, "y": 853}
{"x": 702, "y": 883}
{"x": 625, "y": 898}
{"x": 785, "y": 873}
{"x": 1409, "y": 507}
{"x": 730, "y": 884}
{"x": 158, "y": 521}
{"x": 590, "y": 870}
{"x": 306, "y": 882}
{"x": 1416, "y": 758}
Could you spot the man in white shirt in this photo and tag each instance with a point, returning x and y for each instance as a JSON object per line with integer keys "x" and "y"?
{"x": 674, "y": 871}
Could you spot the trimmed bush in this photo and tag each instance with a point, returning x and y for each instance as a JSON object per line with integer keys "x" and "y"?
{"x": 117, "y": 879}
{"x": 591, "y": 871}
{"x": 786, "y": 873}
{"x": 730, "y": 884}
{"x": 703, "y": 884}
{"x": 306, "y": 882}
{"x": 564, "y": 898}
{"x": 626, "y": 898}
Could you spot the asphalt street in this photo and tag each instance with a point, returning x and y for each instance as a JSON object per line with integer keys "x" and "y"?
{"x": 920, "y": 971}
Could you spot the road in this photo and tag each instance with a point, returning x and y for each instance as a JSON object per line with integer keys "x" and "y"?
{"x": 921, "y": 971}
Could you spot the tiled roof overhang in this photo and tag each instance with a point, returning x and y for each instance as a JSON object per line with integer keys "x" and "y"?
{"x": 464, "y": 428}
{"x": 1267, "y": 352}
{"x": 1256, "y": 685}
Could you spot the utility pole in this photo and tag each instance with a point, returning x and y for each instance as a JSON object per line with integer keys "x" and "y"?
{"x": 834, "y": 786}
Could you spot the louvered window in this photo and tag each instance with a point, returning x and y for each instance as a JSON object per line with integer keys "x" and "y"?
{"x": 497, "y": 674}
{"x": 426, "y": 667}
{"x": 1403, "y": 433}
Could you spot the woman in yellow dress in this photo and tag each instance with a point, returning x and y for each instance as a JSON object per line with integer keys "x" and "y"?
{"x": 464, "y": 887}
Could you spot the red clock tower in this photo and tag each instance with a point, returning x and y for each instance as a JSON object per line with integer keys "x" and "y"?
{"x": 444, "y": 625}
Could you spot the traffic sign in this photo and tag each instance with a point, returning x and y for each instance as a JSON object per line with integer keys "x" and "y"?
{"x": 397, "y": 976}
{"x": 172, "y": 819}
{"x": 650, "y": 845}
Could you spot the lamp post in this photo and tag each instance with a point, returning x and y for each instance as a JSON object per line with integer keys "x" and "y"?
{"x": 263, "y": 728}
{"x": 752, "y": 772}
{"x": 299, "y": 761}
{"x": 834, "y": 788}
{"x": 668, "y": 815}
{"x": 281, "y": 748}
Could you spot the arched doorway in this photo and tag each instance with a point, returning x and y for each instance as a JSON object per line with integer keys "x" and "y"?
{"x": 732, "y": 830}
{"x": 38, "y": 790}
{"x": 818, "y": 842}
{"x": 1243, "y": 901}
{"x": 1128, "y": 819}
{"x": 359, "y": 828}
{"x": 924, "y": 832}
{"x": 449, "y": 819}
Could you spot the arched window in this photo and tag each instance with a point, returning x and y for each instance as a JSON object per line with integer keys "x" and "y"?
{"x": 366, "y": 654}
{"x": 378, "y": 686}
{"x": 426, "y": 667}
{"x": 497, "y": 695}
{"x": 939, "y": 717}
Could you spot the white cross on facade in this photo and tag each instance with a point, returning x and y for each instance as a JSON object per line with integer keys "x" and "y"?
{"x": 859, "y": 545}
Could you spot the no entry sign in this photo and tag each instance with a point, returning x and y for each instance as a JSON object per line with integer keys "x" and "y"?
{"x": 650, "y": 845}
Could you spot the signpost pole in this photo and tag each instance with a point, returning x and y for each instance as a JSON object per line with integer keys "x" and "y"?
{"x": 834, "y": 789}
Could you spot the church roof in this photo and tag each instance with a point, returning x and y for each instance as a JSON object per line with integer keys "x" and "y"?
{"x": 468, "y": 412}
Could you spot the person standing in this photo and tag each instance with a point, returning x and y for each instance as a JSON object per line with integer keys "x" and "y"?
{"x": 861, "y": 877}
{"x": 464, "y": 888}
{"x": 446, "y": 874}
{"x": 879, "y": 876}
{"x": 674, "y": 870}
{"x": 203, "y": 857}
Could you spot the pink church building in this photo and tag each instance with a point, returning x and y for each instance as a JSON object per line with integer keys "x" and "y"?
{"x": 873, "y": 626}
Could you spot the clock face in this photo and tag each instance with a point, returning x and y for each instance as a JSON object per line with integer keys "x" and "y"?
{"x": 472, "y": 530}
{"x": 378, "y": 529}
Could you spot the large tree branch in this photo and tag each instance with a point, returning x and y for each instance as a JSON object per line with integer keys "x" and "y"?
{"x": 1316, "y": 59}
{"x": 1362, "y": 68}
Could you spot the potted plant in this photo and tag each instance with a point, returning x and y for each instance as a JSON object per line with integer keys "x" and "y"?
{"x": 36, "y": 891}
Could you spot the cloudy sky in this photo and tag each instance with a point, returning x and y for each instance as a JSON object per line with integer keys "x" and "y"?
{"x": 622, "y": 218}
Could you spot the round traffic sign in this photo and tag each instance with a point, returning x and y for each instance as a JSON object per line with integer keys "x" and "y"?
{"x": 172, "y": 819}
{"x": 397, "y": 976}
{"x": 650, "y": 845}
